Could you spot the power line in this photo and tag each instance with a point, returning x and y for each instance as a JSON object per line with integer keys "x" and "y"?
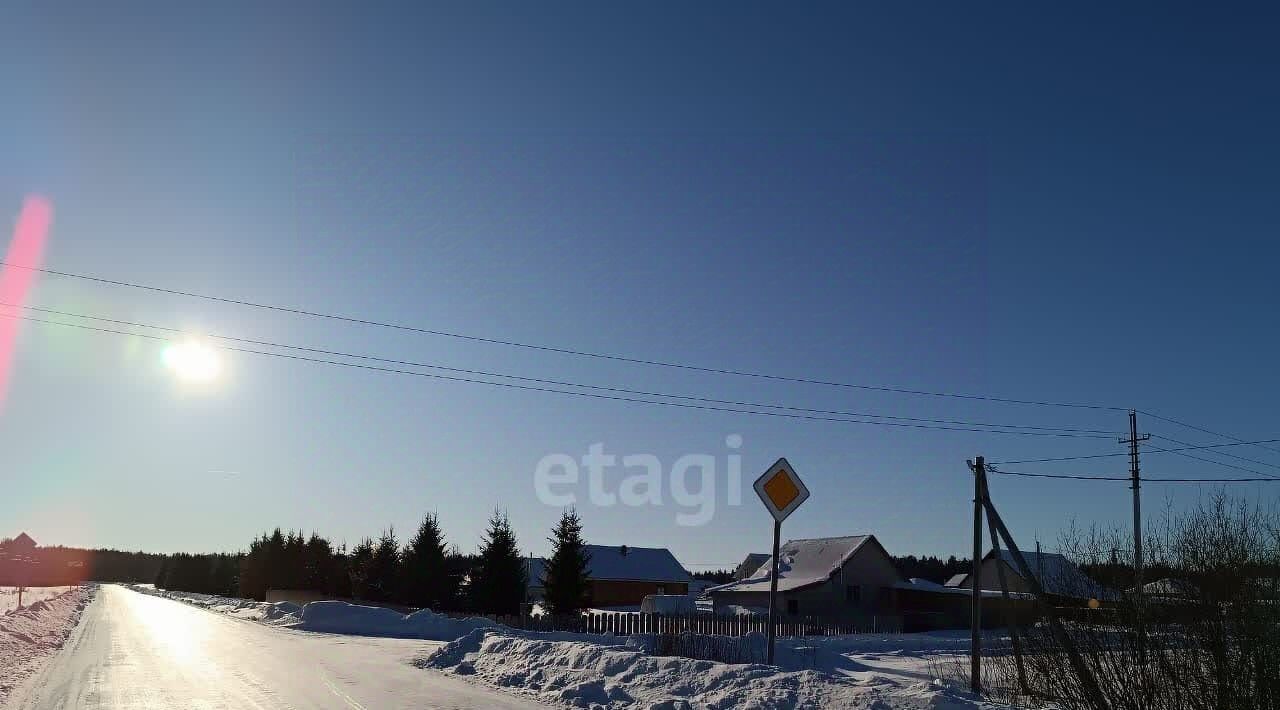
{"x": 1150, "y": 451}
{"x": 561, "y": 383}
{"x": 554, "y": 349}
{"x": 1073, "y": 476}
{"x": 1222, "y": 453}
{"x": 512, "y": 385}
{"x": 1208, "y": 431}
{"x": 1227, "y": 465}
{"x": 1083, "y": 477}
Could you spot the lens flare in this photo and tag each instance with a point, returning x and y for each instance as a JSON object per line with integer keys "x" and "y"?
{"x": 26, "y": 249}
{"x": 192, "y": 361}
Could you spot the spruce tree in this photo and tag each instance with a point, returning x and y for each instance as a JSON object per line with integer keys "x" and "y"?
{"x": 565, "y": 578}
{"x": 358, "y": 568}
{"x": 384, "y": 568}
{"x": 498, "y": 580}
{"x": 163, "y": 575}
{"x": 427, "y": 583}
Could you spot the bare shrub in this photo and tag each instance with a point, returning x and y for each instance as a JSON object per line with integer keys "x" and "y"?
{"x": 1204, "y": 634}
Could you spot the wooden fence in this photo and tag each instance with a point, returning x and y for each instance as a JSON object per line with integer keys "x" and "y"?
{"x": 626, "y": 623}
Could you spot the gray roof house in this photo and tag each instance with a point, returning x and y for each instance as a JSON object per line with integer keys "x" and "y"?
{"x": 620, "y": 575}
{"x": 749, "y": 565}
{"x": 829, "y": 576}
{"x": 1055, "y": 573}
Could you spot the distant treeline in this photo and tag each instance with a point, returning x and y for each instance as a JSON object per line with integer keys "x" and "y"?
{"x": 57, "y": 566}
{"x": 934, "y": 569}
{"x": 424, "y": 572}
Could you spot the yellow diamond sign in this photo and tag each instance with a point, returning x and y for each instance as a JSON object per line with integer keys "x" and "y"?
{"x": 781, "y": 490}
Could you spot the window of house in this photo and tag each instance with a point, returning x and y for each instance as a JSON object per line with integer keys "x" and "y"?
{"x": 662, "y": 589}
{"x": 852, "y": 593}
{"x": 793, "y": 607}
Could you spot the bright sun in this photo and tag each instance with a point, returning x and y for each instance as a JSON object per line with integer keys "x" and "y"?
{"x": 192, "y": 361}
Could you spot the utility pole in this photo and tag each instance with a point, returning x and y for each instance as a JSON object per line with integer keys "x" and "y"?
{"x": 1135, "y": 474}
{"x": 975, "y": 579}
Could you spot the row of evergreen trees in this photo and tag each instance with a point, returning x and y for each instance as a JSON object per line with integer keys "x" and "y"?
{"x": 425, "y": 572}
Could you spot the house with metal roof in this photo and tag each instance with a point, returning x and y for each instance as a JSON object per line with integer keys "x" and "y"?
{"x": 749, "y": 565}
{"x": 1055, "y": 573}
{"x": 621, "y": 576}
{"x": 20, "y": 545}
{"x": 849, "y": 576}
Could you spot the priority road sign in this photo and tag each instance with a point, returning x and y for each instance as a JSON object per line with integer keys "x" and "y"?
{"x": 781, "y": 490}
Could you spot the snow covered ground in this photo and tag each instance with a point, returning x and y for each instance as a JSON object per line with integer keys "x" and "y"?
{"x": 30, "y": 595}
{"x": 31, "y": 635}
{"x": 865, "y": 671}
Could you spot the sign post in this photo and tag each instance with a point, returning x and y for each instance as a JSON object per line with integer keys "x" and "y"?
{"x": 781, "y": 491}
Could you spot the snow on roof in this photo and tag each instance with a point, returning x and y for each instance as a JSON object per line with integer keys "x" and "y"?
{"x": 1056, "y": 574}
{"x": 638, "y": 564}
{"x": 1170, "y": 587}
{"x": 801, "y": 563}
{"x": 916, "y": 584}
{"x": 956, "y": 580}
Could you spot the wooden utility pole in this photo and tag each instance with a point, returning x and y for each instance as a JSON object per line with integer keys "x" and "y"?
{"x": 975, "y": 578}
{"x": 1011, "y": 614}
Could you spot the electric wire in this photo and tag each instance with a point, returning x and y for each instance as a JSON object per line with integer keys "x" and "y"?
{"x": 1207, "y": 431}
{"x": 555, "y": 349}
{"x": 1149, "y": 451}
{"x": 532, "y": 388}
{"x": 563, "y": 383}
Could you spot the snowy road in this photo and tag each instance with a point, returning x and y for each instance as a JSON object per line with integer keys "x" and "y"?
{"x": 138, "y": 651}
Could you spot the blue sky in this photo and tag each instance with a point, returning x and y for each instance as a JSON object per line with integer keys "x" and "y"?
{"x": 1066, "y": 204}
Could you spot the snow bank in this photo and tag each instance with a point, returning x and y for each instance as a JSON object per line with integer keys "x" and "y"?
{"x": 600, "y": 674}
{"x": 274, "y": 613}
{"x": 668, "y": 604}
{"x": 334, "y": 617}
{"x": 29, "y": 636}
{"x": 30, "y": 595}
{"x": 342, "y": 618}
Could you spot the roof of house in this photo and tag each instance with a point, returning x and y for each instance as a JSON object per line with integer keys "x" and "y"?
{"x": 607, "y": 562}
{"x": 1055, "y": 573}
{"x": 916, "y": 584}
{"x": 22, "y": 540}
{"x": 636, "y": 564}
{"x": 1171, "y": 587}
{"x": 535, "y": 568}
{"x": 750, "y": 564}
{"x": 803, "y": 563}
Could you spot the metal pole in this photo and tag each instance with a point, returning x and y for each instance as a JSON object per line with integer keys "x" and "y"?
{"x": 773, "y": 589}
{"x": 975, "y": 603}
